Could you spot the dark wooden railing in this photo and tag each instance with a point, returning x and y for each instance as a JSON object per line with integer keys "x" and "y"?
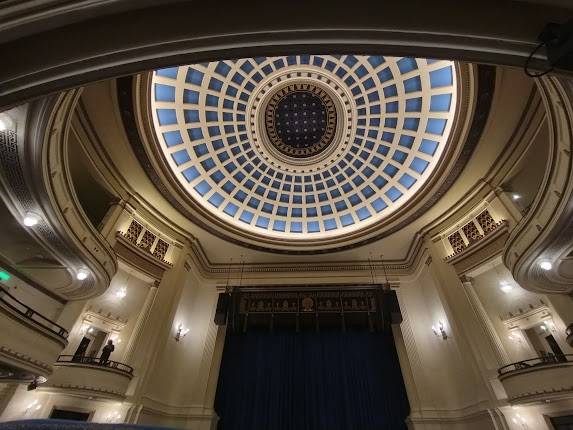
{"x": 535, "y": 362}
{"x": 95, "y": 361}
{"x": 11, "y": 302}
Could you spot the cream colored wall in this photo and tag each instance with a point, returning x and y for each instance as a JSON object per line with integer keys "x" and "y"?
{"x": 445, "y": 379}
{"x": 180, "y": 378}
{"x": 499, "y": 305}
{"x": 108, "y": 304}
{"x": 40, "y": 404}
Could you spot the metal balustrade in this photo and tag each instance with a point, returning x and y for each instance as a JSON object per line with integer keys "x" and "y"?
{"x": 9, "y": 301}
{"x": 536, "y": 362}
{"x": 95, "y": 361}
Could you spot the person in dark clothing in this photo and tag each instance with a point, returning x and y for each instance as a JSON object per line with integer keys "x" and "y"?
{"x": 105, "y": 353}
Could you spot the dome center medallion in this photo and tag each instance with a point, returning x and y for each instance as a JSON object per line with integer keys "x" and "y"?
{"x": 300, "y": 120}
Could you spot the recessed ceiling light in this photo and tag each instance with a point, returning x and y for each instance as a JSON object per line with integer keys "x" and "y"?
{"x": 516, "y": 196}
{"x": 31, "y": 219}
{"x": 82, "y": 274}
{"x": 546, "y": 265}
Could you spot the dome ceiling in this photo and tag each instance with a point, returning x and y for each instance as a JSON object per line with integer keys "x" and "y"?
{"x": 304, "y": 147}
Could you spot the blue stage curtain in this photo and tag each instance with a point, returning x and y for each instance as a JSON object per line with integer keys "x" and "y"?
{"x": 309, "y": 380}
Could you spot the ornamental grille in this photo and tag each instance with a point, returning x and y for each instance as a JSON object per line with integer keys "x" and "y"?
{"x": 147, "y": 240}
{"x": 457, "y": 242}
{"x": 471, "y": 231}
{"x": 486, "y": 222}
{"x": 160, "y": 249}
{"x": 133, "y": 231}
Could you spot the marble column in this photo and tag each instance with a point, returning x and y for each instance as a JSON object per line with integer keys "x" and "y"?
{"x": 489, "y": 330}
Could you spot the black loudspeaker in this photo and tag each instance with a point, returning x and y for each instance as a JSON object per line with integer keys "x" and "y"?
{"x": 391, "y": 306}
{"x": 222, "y": 308}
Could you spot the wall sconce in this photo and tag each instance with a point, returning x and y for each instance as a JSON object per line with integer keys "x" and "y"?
{"x": 115, "y": 338}
{"x": 114, "y": 417}
{"x": 548, "y": 326}
{"x": 515, "y": 338}
{"x": 32, "y": 407}
{"x": 505, "y": 287}
{"x": 181, "y": 332}
{"x": 440, "y": 331}
{"x": 518, "y": 419}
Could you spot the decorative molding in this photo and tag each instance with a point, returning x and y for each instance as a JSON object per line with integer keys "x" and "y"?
{"x": 486, "y": 79}
{"x": 542, "y": 395}
{"x": 526, "y": 318}
{"x": 25, "y": 360}
{"x": 180, "y": 411}
{"x": 33, "y": 177}
{"x": 84, "y": 391}
{"x": 137, "y": 257}
{"x": 106, "y": 319}
{"x": 95, "y": 367}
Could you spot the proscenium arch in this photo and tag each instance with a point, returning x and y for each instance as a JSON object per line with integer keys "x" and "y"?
{"x": 52, "y": 49}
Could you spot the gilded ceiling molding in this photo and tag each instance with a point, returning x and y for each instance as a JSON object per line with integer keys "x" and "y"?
{"x": 34, "y": 177}
{"x": 134, "y": 121}
{"x": 220, "y": 272}
{"x": 545, "y": 233}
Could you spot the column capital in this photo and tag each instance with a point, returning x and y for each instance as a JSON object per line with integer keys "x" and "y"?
{"x": 465, "y": 279}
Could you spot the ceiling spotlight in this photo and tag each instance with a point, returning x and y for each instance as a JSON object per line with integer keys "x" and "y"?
{"x": 82, "y": 274}
{"x": 31, "y": 219}
{"x": 546, "y": 265}
{"x": 505, "y": 286}
{"x": 121, "y": 293}
{"x": 516, "y": 196}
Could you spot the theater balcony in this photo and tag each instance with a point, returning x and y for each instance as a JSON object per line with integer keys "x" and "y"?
{"x": 538, "y": 379}
{"x": 22, "y": 326}
{"x": 90, "y": 377}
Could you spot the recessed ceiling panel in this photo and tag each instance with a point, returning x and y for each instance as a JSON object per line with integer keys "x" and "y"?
{"x": 304, "y": 147}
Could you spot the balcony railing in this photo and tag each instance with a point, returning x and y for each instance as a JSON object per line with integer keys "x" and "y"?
{"x": 11, "y": 302}
{"x": 95, "y": 361}
{"x": 535, "y": 363}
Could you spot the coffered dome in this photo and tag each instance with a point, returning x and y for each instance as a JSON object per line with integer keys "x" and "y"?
{"x": 304, "y": 147}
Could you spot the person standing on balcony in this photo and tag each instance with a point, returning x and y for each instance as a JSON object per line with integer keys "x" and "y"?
{"x": 105, "y": 353}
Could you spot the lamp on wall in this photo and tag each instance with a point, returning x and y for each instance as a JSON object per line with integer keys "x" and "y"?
{"x": 113, "y": 417}
{"x": 32, "y": 407}
{"x": 440, "y": 330}
{"x": 505, "y": 286}
{"x": 181, "y": 332}
{"x": 37, "y": 381}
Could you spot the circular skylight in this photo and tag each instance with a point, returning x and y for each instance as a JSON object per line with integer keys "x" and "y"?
{"x": 304, "y": 147}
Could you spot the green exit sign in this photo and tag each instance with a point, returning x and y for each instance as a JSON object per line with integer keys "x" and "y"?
{"x": 4, "y": 276}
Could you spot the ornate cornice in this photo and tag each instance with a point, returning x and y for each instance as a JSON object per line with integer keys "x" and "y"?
{"x": 25, "y": 360}
{"x": 218, "y": 271}
{"x": 86, "y": 391}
